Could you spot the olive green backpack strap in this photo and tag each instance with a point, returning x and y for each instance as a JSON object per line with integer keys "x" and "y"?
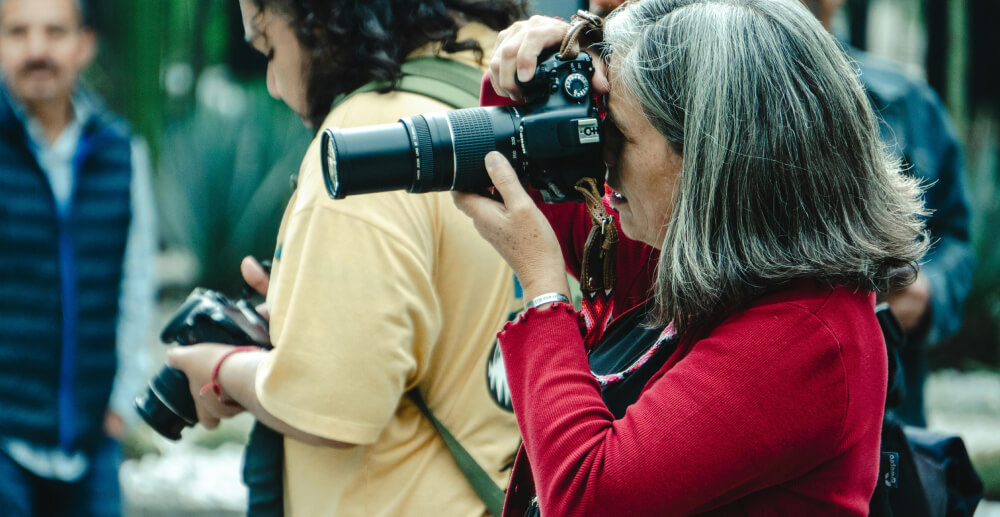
{"x": 487, "y": 490}
{"x": 444, "y": 80}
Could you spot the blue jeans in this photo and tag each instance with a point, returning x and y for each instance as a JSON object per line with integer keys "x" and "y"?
{"x": 96, "y": 494}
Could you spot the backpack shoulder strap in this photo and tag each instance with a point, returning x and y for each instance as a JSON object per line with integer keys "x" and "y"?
{"x": 444, "y": 80}
{"x": 484, "y": 486}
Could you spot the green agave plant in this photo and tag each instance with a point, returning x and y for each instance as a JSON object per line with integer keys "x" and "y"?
{"x": 223, "y": 183}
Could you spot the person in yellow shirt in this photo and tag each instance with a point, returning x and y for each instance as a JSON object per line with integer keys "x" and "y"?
{"x": 375, "y": 295}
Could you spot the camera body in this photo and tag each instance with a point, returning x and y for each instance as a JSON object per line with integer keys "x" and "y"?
{"x": 552, "y": 140}
{"x": 206, "y": 316}
{"x": 560, "y": 130}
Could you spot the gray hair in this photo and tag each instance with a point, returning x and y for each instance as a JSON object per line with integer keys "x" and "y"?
{"x": 784, "y": 176}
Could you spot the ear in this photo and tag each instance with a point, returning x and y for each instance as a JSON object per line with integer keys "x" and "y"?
{"x": 88, "y": 47}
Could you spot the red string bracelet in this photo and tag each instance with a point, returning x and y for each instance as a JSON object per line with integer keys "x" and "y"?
{"x": 214, "y": 385}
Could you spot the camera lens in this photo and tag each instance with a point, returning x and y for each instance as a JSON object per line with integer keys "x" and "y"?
{"x": 423, "y": 153}
{"x": 166, "y": 404}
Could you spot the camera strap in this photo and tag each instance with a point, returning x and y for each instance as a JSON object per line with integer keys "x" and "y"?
{"x": 585, "y": 29}
{"x": 599, "y": 251}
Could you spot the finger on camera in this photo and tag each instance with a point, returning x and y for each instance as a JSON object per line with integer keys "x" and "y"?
{"x": 471, "y": 204}
{"x": 543, "y": 33}
{"x": 222, "y": 410}
{"x": 175, "y": 357}
{"x": 264, "y": 310}
{"x": 254, "y": 275}
{"x": 507, "y": 184}
{"x": 527, "y": 57}
{"x": 205, "y": 416}
{"x": 505, "y": 84}
{"x": 504, "y": 45}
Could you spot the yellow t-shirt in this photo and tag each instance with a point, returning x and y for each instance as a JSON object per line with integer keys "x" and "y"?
{"x": 370, "y": 296}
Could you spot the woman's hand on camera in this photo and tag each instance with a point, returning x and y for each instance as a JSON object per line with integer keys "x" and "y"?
{"x": 518, "y": 230}
{"x": 517, "y": 51}
{"x": 197, "y": 362}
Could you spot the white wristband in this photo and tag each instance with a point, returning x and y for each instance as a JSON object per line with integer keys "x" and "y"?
{"x": 542, "y": 299}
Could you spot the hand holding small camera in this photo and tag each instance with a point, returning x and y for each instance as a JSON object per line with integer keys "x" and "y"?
{"x": 209, "y": 328}
{"x": 198, "y": 363}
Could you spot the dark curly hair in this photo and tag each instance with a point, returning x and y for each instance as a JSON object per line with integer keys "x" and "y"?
{"x": 353, "y": 42}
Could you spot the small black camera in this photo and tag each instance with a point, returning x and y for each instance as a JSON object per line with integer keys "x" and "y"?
{"x": 553, "y": 140}
{"x": 206, "y": 316}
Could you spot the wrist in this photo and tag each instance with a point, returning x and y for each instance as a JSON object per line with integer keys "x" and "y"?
{"x": 530, "y": 294}
{"x": 530, "y": 288}
{"x": 214, "y": 386}
{"x": 546, "y": 299}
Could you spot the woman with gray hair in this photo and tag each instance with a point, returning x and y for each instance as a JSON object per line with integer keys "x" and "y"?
{"x": 761, "y": 214}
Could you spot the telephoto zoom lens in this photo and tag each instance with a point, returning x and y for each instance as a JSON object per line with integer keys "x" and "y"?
{"x": 423, "y": 153}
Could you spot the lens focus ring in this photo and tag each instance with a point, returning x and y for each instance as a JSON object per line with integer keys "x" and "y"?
{"x": 425, "y": 154}
{"x": 473, "y": 133}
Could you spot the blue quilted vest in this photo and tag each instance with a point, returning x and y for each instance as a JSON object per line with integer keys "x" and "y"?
{"x": 60, "y": 277}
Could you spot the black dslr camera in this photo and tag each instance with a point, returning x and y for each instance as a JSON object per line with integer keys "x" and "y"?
{"x": 553, "y": 139}
{"x": 205, "y": 317}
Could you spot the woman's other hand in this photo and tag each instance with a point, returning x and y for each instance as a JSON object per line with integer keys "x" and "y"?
{"x": 518, "y": 230}
{"x": 259, "y": 279}
{"x": 517, "y": 51}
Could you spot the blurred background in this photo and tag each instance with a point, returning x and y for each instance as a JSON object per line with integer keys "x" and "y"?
{"x": 223, "y": 150}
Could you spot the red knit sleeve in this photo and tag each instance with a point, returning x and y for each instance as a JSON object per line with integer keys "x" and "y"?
{"x": 759, "y": 401}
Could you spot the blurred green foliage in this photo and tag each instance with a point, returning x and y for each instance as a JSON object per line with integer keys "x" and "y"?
{"x": 977, "y": 344}
{"x": 224, "y": 181}
{"x": 182, "y": 75}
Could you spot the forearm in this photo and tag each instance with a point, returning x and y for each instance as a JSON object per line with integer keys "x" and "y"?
{"x": 238, "y": 375}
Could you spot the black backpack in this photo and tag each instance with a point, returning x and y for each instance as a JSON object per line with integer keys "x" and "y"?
{"x": 922, "y": 473}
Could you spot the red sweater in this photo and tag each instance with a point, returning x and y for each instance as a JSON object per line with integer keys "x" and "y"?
{"x": 777, "y": 411}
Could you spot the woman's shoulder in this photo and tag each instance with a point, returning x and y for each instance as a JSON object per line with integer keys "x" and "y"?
{"x": 814, "y": 298}
{"x": 808, "y": 310}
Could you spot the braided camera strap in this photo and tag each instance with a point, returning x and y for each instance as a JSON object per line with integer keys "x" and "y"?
{"x": 583, "y": 25}
{"x": 600, "y": 250}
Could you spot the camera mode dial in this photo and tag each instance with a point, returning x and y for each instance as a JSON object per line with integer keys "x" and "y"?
{"x": 576, "y": 86}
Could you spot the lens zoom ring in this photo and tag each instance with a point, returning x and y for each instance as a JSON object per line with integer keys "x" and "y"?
{"x": 425, "y": 153}
{"x": 473, "y": 130}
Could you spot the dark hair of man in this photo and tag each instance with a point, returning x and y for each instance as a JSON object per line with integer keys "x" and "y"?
{"x": 351, "y": 43}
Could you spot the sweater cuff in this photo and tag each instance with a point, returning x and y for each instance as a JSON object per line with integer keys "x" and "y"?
{"x": 556, "y": 319}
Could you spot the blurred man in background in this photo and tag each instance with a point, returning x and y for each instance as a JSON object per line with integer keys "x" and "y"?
{"x": 915, "y": 124}
{"x": 374, "y": 297}
{"x": 76, "y": 248}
